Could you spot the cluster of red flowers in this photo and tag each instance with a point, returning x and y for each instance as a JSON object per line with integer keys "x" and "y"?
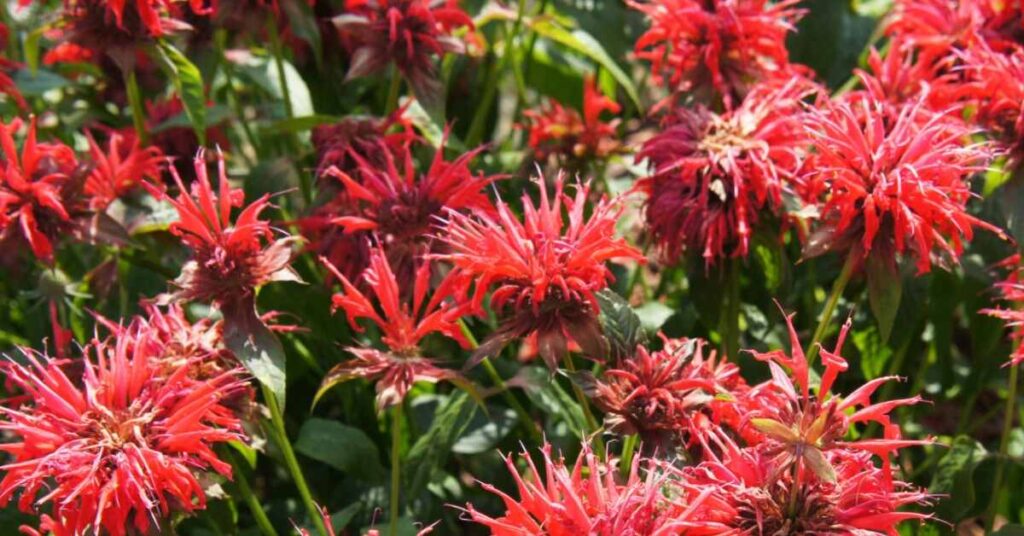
{"x": 114, "y": 440}
{"x": 115, "y": 437}
{"x": 764, "y": 459}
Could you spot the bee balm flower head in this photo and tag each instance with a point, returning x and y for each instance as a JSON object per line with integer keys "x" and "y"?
{"x": 117, "y": 448}
{"x": 544, "y": 270}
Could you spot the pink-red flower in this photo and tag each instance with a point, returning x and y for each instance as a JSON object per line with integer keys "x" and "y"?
{"x": 115, "y": 448}
{"x": 231, "y": 257}
{"x": 1011, "y": 290}
{"x": 801, "y": 427}
{"x": 716, "y": 50}
{"x": 557, "y": 130}
{"x": 897, "y": 180}
{"x": 587, "y": 498}
{"x": 7, "y": 85}
{"x": 38, "y": 190}
{"x": 403, "y": 323}
{"x": 387, "y": 196}
{"x": 408, "y": 34}
{"x": 746, "y": 493}
{"x": 716, "y": 175}
{"x": 544, "y": 270}
{"x": 996, "y": 86}
{"x": 119, "y": 169}
{"x": 117, "y": 27}
{"x": 366, "y": 137}
{"x": 668, "y": 396}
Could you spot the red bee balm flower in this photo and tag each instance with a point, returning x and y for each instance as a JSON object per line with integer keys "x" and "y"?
{"x": 545, "y": 273}
{"x": 37, "y": 197}
{"x": 1012, "y": 291}
{"x": 715, "y": 175}
{"x": 403, "y": 324}
{"x": 387, "y": 196}
{"x": 746, "y": 493}
{"x": 116, "y": 449}
{"x": 717, "y": 48}
{"x": 800, "y": 427}
{"x": 7, "y": 85}
{"x": 997, "y": 86}
{"x": 665, "y": 396}
{"x": 118, "y": 26}
{"x": 229, "y": 261}
{"x": 587, "y": 498}
{"x": 122, "y": 167}
{"x": 561, "y": 131}
{"x": 406, "y": 33}
{"x": 897, "y": 180}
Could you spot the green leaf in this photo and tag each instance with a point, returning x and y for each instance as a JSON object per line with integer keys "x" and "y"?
{"x": 188, "y": 82}
{"x": 874, "y": 354}
{"x": 621, "y": 325}
{"x": 484, "y": 431}
{"x": 343, "y": 447}
{"x": 301, "y": 124}
{"x": 885, "y": 288}
{"x": 302, "y": 23}
{"x": 255, "y": 346}
{"x": 545, "y": 393}
{"x": 32, "y": 50}
{"x": 653, "y": 315}
{"x": 39, "y": 83}
{"x": 954, "y": 478}
{"x": 1009, "y": 530}
{"x": 583, "y": 43}
{"x": 432, "y": 449}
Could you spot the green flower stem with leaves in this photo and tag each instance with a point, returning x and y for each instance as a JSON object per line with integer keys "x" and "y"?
{"x": 255, "y": 507}
{"x": 396, "y": 468}
{"x": 131, "y": 85}
{"x": 278, "y": 433}
{"x": 830, "y": 304}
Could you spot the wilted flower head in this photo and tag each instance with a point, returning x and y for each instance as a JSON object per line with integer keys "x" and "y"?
{"x": 117, "y": 448}
{"x": 39, "y": 189}
{"x": 406, "y": 33}
{"x": 400, "y": 204}
{"x": 588, "y": 498}
{"x": 230, "y": 259}
{"x": 403, "y": 324}
{"x": 123, "y": 166}
{"x": 117, "y": 27}
{"x": 717, "y": 49}
{"x": 715, "y": 175}
{"x": 545, "y": 270}
{"x": 1011, "y": 290}
{"x": 557, "y": 130}
{"x": 366, "y": 137}
{"x": 800, "y": 427}
{"x": 897, "y": 180}
{"x": 667, "y": 396}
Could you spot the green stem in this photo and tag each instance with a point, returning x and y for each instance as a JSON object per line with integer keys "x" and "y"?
{"x": 278, "y": 52}
{"x": 391, "y": 104}
{"x": 830, "y": 305}
{"x": 1004, "y": 445}
{"x": 628, "y": 448}
{"x": 794, "y": 492}
{"x": 510, "y": 398}
{"x": 396, "y": 467}
{"x": 292, "y": 463}
{"x": 483, "y": 108}
{"x": 131, "y": 85}
{"x": 232, "y": 94}
{"x": 242, "y": 482}
{"x": 731, "y": 331}
{"x": 584, "y": 404}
